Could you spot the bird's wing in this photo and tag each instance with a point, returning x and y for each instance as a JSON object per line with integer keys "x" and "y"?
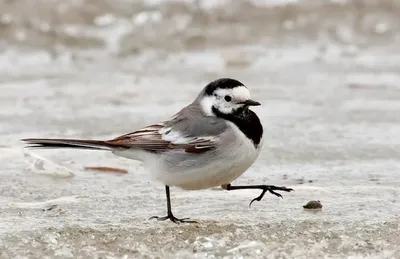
{"x": 163, "y": 137}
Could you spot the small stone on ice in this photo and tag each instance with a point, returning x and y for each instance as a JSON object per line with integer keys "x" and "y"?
{"x": 312, "y": 205}
{"x": 50, "y": 208}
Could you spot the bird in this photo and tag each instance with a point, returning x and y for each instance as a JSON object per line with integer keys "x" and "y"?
{"x": 208, "y": 143}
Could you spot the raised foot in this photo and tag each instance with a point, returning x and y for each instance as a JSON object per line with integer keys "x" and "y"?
{"x": 271, "y": 189}
{"x": 173, "y": 219}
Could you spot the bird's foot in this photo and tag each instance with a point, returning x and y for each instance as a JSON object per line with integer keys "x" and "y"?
{"x": 173, "y": 219}
{"x": 271, "y": 189}
{"x": 265, "y": 188}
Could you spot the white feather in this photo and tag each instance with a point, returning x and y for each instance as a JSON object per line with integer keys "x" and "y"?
{"x": 174, "y": 137}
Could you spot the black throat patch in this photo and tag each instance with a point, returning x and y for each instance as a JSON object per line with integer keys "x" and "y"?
{"x": 247, "y": 121}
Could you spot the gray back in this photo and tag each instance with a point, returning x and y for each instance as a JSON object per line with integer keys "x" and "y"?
{"x": 191, "y": 122}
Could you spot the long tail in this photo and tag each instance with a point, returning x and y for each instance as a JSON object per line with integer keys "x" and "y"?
{"x": 67, "y": 143}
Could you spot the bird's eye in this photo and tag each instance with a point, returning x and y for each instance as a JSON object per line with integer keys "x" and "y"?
{"x": 228, "y": 98}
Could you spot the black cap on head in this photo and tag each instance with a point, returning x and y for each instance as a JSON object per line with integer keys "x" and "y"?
{"x": 222, "y": 83}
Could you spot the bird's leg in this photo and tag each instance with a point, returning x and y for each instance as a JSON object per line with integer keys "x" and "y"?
{"x": 265, "y": 188}
{"x": 170, "y": 216}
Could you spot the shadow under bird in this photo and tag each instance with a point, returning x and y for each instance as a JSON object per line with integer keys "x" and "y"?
{"x": 209, "y": 143}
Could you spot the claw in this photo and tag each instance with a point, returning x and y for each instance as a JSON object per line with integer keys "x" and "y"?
{"x": 277, "y": 194}
{"x": 253, "y": 200}
{"x": 173, "y": 219}
{"x": 272, "y": 190}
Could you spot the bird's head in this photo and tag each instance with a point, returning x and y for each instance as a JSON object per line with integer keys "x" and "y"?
{"x": 225, "y": 96}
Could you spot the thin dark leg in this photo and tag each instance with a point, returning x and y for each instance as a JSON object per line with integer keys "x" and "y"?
{"x": 264, "y": 188}
{"x": 170, "y": 216}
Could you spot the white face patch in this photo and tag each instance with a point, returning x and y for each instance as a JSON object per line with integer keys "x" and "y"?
{"x": 241, "y": 94}
{"x": 235, "y": 96}
{"x": 206, "y": 105}
{"x": 238, "y": 94}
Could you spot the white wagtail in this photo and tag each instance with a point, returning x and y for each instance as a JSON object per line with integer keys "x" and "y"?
{"x": 209, "y": 143}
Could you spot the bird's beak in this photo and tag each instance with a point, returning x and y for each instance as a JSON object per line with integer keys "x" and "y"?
{"x": 250, "y": 102}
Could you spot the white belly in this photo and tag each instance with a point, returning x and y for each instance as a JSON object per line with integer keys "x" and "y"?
{"x": 213, "y": 168}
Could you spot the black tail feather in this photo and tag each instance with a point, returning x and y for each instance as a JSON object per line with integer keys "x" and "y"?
{"x": 66, "y": 143}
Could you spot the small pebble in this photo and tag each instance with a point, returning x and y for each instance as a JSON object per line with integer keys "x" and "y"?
{"x": 50, "y": 208}
{"x": 313, "y": 205}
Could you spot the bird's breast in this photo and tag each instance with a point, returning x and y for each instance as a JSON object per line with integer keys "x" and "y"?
{"x": 239, "y": 149}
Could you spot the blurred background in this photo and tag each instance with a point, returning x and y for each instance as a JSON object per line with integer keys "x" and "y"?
{"x": 326, "y": 72}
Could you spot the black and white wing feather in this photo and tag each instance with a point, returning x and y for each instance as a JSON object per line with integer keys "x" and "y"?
{"x": 187, "y": 131}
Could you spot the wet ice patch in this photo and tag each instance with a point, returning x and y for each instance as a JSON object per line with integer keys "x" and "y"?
{"x": 41, "y": 165}
{"x": 47, "y": 203}
{"x": 248, "y": 245}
